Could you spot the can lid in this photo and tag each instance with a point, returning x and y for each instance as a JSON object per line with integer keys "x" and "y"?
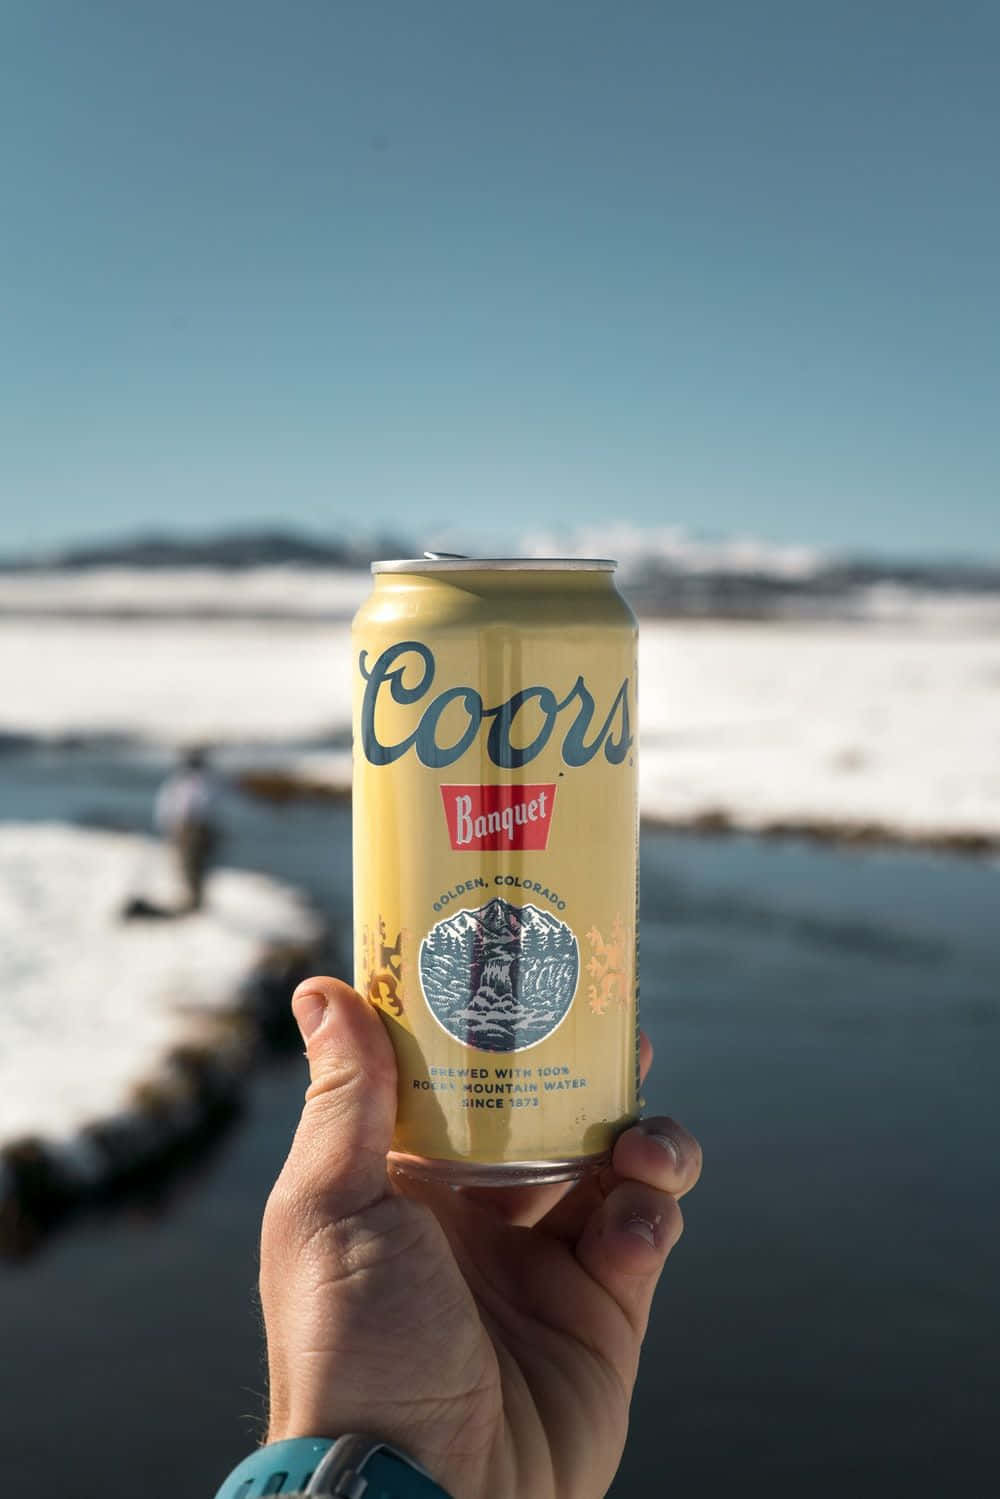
{"x": 448, "y": 562}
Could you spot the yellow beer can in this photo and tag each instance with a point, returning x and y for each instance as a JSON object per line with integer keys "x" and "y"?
{"x": 495, "y": 860}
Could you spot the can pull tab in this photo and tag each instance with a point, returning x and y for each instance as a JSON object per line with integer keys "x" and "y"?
{"x": 446, "y": 556}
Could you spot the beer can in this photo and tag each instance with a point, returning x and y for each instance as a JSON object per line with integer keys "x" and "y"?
{"x": 495, "y": 860}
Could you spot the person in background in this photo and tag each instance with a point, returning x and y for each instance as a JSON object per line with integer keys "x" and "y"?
{"x": 490, "y": 1336}
{"x": 186, "y": 815}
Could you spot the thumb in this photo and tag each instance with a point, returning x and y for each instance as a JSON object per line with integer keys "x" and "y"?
{"x": 337, "y": 1166}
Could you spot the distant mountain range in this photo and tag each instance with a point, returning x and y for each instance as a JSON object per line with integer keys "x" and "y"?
{"x": 663, "y": 572}
{"x": 838, "y": 587}
{"x": 241, "y": 550}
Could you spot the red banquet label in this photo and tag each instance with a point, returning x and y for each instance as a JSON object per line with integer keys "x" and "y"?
{"x": 498, "y": 817}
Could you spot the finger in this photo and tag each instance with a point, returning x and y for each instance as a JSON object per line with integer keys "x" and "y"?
{"x": 526, "y": 1205}
{"x": 337, "y": 1163}
{"x": 625, "y": 1243}
{"x": 567, "y": 1216}
{"x": 659, "y": 1152}
{"x": 522, "y": 1206}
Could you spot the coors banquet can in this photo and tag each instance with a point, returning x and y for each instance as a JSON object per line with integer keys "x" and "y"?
{"x": 495, "y": 860}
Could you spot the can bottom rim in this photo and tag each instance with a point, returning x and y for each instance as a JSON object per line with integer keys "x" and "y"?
{"x": 497, "y": 1173}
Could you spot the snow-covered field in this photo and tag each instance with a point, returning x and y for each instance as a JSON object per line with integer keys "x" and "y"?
{"x": 92, "y": 1004}
{"x": 178, "y": 591}
{"x": 174, "y": 682}
{"x": 756, "y": 724}
{"x": 823, "y": 725}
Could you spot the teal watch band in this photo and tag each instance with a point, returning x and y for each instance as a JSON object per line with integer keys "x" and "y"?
{"x": 352, "y": 1467}
{"x": 281, "y": 1468}
{"x": 284, "y": 1468}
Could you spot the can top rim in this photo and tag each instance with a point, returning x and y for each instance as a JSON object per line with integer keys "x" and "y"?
{"x": 495, "y": 564}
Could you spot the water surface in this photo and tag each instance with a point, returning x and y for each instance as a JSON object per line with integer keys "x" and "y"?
{"x": 827, "y": 1022}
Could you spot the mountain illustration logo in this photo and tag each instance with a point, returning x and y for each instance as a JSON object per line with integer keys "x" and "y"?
{"x": 501, "y": 977}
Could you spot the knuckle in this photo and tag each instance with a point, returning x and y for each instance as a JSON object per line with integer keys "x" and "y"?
{"x": 333, "y": 1074}
{"x": 380, "y": 1234}
{"x": 665, "y": 1210}
{"x": 277, "y": 1235}
{"x": 349, "y": 1073}
{"x": 672, "y": 1228}
{"x": 283, "y": 1210}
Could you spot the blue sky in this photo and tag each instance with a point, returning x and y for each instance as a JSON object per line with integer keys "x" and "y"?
{"x": 732, "y": 267}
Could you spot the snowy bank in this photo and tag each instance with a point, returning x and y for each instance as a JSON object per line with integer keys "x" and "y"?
{"x": 854, "y": 730}
{"x": 848, "y": 734}
{"x": 186, "y": 592}
{"x": 118, "y": 1036}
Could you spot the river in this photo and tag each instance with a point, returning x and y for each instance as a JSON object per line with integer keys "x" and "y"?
{"x": 826, "y": 1021}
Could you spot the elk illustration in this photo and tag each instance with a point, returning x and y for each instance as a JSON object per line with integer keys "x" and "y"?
{"x": 385, "y": 974}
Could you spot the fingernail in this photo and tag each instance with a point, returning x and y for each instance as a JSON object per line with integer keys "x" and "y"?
{"x": 309, "y": 1010}
{"x": 643, "y": 1228}
{"x": 668, "y": 1144}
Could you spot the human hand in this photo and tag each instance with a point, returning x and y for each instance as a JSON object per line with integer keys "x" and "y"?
{"x": 492, "y": 1334}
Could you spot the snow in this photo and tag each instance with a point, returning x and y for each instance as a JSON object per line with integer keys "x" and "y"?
{"x": 287, "y": 591}
{"x": 825, "y": 724}
{"x": 758, "y": 723}
{"x": 92, "y": 1004}
{"x": 832, "y": 727}
{"x": 637, "y": 547}
{"x": 174, "y": 682}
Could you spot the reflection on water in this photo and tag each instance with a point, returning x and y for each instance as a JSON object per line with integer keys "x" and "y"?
{"x": 826, "y": 1021}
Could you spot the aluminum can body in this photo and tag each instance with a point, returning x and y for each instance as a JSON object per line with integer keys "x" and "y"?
{"x": 495, "y": 860}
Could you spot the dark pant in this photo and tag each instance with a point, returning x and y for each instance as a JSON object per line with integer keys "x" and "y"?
{"x": 195, "y": 845}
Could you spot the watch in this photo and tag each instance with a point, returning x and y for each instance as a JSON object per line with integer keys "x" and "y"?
{"x": 352, "y": 1467}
